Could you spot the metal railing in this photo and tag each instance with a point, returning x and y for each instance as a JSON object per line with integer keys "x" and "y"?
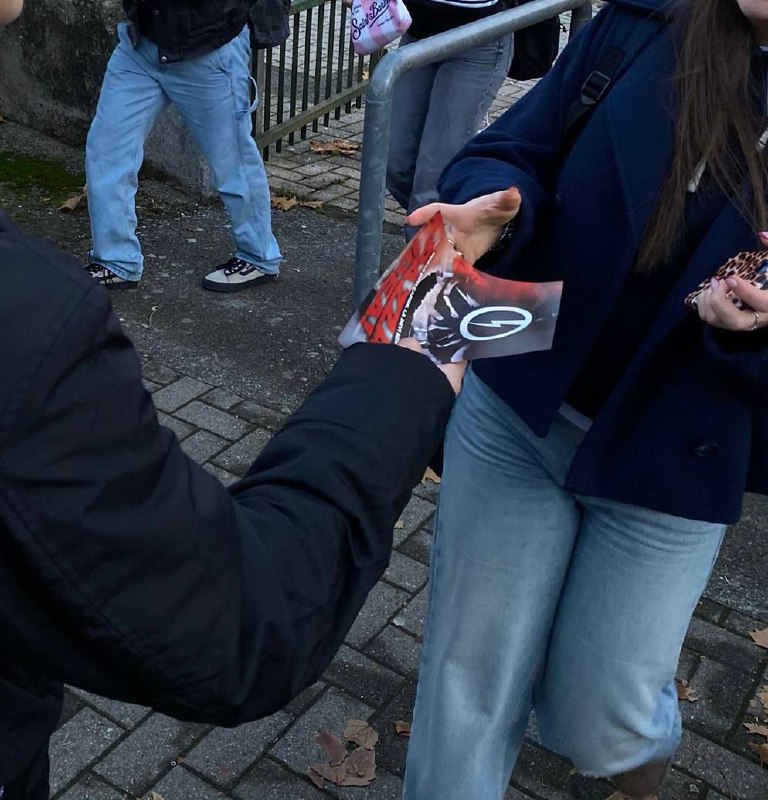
{"x": 378, "y": 112}
{"x": 314, "y": 74}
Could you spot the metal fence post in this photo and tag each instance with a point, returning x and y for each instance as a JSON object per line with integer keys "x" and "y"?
{"x": 378, "y": 111}
{"x": 579, "y": 18}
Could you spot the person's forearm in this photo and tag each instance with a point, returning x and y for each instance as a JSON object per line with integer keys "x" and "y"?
{"x": 144, "y": 580}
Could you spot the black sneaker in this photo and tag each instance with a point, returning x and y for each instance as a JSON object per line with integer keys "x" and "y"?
{"x": 235, "y": 275}
{"x": 108, "y": 279}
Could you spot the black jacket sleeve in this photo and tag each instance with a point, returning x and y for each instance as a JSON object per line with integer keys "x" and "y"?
{"x": 128, "y": 570}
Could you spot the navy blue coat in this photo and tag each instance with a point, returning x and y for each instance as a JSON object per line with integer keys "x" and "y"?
{"x": 685, "y": 430}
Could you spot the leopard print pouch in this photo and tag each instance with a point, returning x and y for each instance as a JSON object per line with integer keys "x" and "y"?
{"x": 751, "y": 266}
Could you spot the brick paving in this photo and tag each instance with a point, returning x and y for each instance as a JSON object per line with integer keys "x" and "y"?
{"x": 106, "y": 750}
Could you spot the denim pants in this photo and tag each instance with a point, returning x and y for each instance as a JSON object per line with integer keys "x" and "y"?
{"x": 212, "y": 96}
{"x": 435, "y": 110}
{"x": 572, "y": 606}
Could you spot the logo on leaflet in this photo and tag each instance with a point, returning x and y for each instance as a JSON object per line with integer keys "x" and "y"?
{"x": 494, "y": 322}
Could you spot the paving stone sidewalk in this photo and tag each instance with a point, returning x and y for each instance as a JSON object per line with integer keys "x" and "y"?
{"x": 105, "y": 750}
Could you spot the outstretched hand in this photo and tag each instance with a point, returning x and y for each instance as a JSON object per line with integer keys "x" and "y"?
{"x": 474, "y": 226}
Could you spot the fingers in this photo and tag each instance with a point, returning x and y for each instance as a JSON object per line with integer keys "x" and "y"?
{"x": 410, "y": 344}
{"x": 717, "y": 309}
{"x": 508, "y": 202}
{"x": 751, "y": 295}
{"x": 425, "y": 213}
{"x": 495, "y": 208}
{"x": 763, "y": 236}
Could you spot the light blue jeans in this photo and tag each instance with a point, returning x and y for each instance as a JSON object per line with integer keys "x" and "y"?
{"x": 573, "y": 606}
{"x": 435, "y": 110}
{"x": 212, "y": 96}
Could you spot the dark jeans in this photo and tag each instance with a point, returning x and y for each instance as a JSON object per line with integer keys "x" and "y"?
{"x": 436, "y": 109}
{"x": 32, "y": 784}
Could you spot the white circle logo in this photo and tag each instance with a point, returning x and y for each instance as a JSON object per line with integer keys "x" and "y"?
{"x": 494, "y": 322}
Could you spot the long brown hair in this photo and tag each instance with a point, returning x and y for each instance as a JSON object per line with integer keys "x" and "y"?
{"x": 717, "y": 120}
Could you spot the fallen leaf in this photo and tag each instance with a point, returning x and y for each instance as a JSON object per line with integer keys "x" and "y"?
{"x": 402, "y": 728}
{"x": 685, "y": 692}
{"x": 758, "y": 730}
{"x": 74, "y": 201}
{"x": 344, "y": 147}
{"x": 760, "y": 638}
{"x": 311, "y": 203}
{"x": 399, "y": 525}
{"x": 762, "y": 752}
{"x": 360, "y": 767}
{"x": 2, "y": 120}
{"x": 762, "y": 695}
{"x": 361, "y": 733}
{"x": 429, "y": 475}
{"x": 155, "y": 796}
{"x": 284, "y": 203}
{"x": 333, "y": 746}
{"x": 316, "y": 778}
{"x": 357, "y": 769}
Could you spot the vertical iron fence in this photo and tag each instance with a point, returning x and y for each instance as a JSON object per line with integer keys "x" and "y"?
{"x": 314, "y": 74}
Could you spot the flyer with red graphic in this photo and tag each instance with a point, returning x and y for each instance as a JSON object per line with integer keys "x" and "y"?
{"x": 432, "y": 294}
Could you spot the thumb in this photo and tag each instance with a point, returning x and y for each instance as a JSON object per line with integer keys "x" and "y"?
{"x": 763, "y": 236}
{"x": 754, "y": 297}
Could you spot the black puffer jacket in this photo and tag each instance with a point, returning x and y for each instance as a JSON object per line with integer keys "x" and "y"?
{"x": 128, "y": 570}
{"x": 184, "y": 29}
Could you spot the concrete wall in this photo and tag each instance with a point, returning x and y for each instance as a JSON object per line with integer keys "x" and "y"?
{"x": 52, "y": 61}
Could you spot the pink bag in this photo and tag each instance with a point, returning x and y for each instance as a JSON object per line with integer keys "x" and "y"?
{"x": 375, "y": 23}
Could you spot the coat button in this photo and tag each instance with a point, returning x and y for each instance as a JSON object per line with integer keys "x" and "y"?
{"x": 706, "y": 450}
{"x": 163, "y": 59}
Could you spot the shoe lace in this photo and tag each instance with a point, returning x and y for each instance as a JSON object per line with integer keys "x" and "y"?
{"x": 234, "y": 265}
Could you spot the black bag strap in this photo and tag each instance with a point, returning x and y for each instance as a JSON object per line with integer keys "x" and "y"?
{"x": 612, "y": 62}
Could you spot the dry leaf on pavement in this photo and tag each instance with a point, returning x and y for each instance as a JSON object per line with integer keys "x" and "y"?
{"x": 762, "y": 752}
{"x": 762, "y": 695}
{"x": 284, "y": 203}
{"x": 344, "y": 147}
{"x": 75, "y": 201}
{"x": 155, "y": 796}
{"x": 399, "y": 525}
{"x": 685, "y": 692}
{"x": 360, "y": 766}
{"x": 760, "y": 638}
{"x": 333, "y": 746}
{"x": 402, "y": 728}
{"x": 361, "y": 733}
{"x": 311, "y": 203}
{"x": 758, "y": 730}
{"x": 430, "y": 475}
{"x": 357, "y": 769}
